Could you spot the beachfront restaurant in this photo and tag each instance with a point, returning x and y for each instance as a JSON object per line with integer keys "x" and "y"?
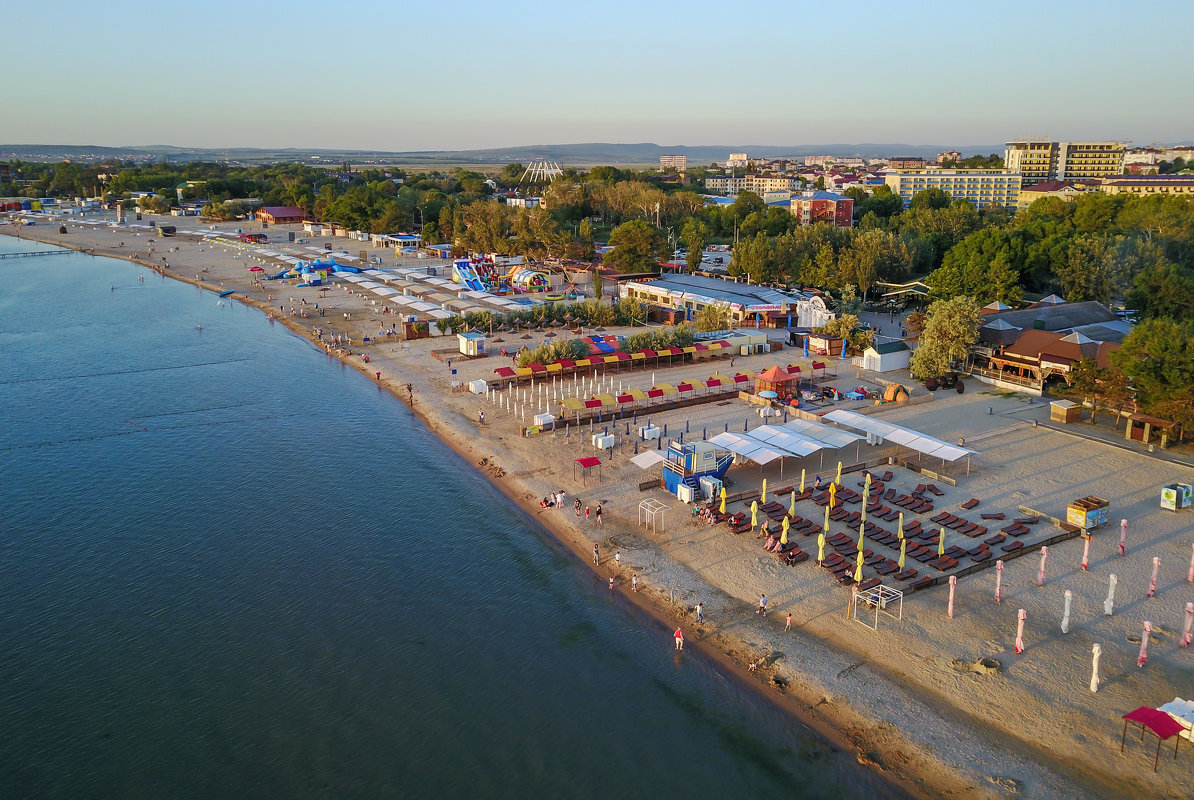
{"x": 687, "y": 295}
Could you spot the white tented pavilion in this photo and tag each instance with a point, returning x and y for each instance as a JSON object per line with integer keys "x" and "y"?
{"x": 878, "y": 431}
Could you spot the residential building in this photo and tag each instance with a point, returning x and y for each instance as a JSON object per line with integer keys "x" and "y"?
{"x": 759, "y": 184}
{"x": 949, "y": 155}
{"x": 905, "y": 162}
{"x": 824, "y": 207}
{"x": 985, "y": 188}
{"x": 1139, "y": 185}
{"x": 5, "y": 172}
{"x": 1066, "y": 190}
{"x": 1040, "y": 161}
{"x": 281, "y": 215}
{"x": 524, "y": 202}
{"x": 678, "y": 163}
{"x": 716, "y": 184}
{"x": 737, "y": 160}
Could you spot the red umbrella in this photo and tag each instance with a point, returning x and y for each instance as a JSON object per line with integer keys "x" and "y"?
{"x": 256, "y": 269}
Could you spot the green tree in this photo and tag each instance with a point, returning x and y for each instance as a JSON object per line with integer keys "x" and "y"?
{"x": 754, "y": 258}
{"x": 1086, "y": 272}
{"x": 585, "y": 233}
{"x": 930, "y": 198}
{"x": 883, "y": 203}
{"x": 1162, "y": 290}
{"x": 695, "y": 234}
{"x": 713, "y": 317}
{"x": 950, "y": 330}
{"x": 1082, "y": 384}
{"x": 598, "y": 284}
{"x": 1158, "y": 356}
{"x": 638, "y": 246}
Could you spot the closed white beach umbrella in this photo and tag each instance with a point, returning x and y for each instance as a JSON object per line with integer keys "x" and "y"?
{"x": 1095, "y": 652}
{"x": 1152, "y": 583}
{"x": 1142, "y": 658}
{"x": 1123, "y": 536}
{"x": 1109, "y": 603}
{"x": 1188, "y": 623}
{"x": 1065, "y": 615}
{"x": 953, "y": 583}
{"x": 1040, "y": 575}
{"x": 1021, "y": 616}
{"x": 998, "y": 581}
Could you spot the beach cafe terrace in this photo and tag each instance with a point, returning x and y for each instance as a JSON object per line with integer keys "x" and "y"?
{"x": 878, "y": 431}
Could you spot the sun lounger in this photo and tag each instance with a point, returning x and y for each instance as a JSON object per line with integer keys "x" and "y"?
{"x": 932, "y": 487}
{"x": 998, "y": 538}
{"x": 889, "y": 495}
{"x": 922, "y": 583}
{"x": 887, "y": 476}
{"x": 985, "y": 555}
{"x": 886, "y": 568}
{"x": 944, "y": 563}
{"x": 1000, "y": 515}
{"x": 953, "y": 551}
{"x": 920, "y": 487}
{"x": 971, "y": 503}
{"x": 906, "y": 575}
{"x": 1027, "y": 520}
{"x": 868, "y": 584}
{"x": 1013, "y": 546}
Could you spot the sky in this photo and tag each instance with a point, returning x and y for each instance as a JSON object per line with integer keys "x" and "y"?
{"x": 449, "y": 75}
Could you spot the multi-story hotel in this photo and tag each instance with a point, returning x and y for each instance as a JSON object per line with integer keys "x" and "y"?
{"x": 1041, "y": 161}
{"x": 759, "y": 184}
{"x": 678, "y": 163}
{"x": 985, "y": 188}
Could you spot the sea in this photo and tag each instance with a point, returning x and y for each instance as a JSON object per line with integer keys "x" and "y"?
{"x": 231, "y": 567}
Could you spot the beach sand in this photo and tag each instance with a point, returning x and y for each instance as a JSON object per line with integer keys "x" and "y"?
{"x": 903, "y": 697}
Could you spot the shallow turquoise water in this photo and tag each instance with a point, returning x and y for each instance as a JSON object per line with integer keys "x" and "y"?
{"x": 231, "y": 567}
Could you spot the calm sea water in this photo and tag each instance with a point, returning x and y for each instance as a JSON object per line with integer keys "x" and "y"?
{"x": 232, "y": 568}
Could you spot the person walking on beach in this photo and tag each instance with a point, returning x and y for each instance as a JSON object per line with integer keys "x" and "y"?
{"x": 611, "y": 583}
{"x": 634, "y": 584}
{"x": 576, "y": 505}
{"x": 788, "y": 624}
{"x": 560, "y": 501}
{"x": 618, "y": 559}
{"x": 481, "y": 416}
{"x": 700, "y": 613}
{"x": 597, "y": 554}
{"x": 598, "y": 513}
{"x": 762, "y": 609}
{"x": 679, "y": 637}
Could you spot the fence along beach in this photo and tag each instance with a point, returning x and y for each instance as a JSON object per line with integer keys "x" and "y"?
{"x": 906, "y": 697}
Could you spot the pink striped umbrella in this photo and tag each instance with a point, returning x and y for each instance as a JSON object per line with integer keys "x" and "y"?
{"x": 953, "y": 582}
{"x": 1152, "y": 583}
{"x": 1123, "y": 535}
{"x": 1040, "y": 576}
{"x": 1085, "y": 552}
{"x": 1190, "y": 574}
{"x": 1142, "y": 659}
{"x": 1021, "y": 616}
{"x": 1189, "y": 621}
{"x": 998, "y": 581}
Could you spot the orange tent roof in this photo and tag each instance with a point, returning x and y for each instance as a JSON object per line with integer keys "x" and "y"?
{"x": 775, "y": 375}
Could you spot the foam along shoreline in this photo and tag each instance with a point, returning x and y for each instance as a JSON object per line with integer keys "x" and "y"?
{"x": 894, "y": 697}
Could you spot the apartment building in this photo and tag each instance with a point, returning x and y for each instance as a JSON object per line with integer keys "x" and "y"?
{"x": 678, "y": 163}
{"x": 1139, "y": 185}
{"x": 1040, "y": 161}
{"x": 985, "y": 188}
{"x": 759, "y": 184}
{"x": 824, "y": 207}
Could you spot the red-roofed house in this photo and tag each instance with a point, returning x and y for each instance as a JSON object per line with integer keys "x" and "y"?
{"x": 281, "y": 215}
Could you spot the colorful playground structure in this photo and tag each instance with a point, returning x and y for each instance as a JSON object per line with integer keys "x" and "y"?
{"x": 479, "y": 275}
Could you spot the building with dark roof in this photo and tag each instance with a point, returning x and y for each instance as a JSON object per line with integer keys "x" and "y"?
{"x": 281, "y": 215}
{"x": 824, "y": 206}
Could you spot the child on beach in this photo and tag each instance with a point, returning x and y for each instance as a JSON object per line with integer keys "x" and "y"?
{"x": 598, "y": 513}
{"x": 762, "y": 609}
{"x": 587, "y": 514}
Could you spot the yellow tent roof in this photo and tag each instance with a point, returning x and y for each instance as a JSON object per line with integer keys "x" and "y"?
{"x": 717, "y": 376}
{"x": 609, "y": 359}
{"x": 667, "y": 388}
{"x": 573, "y": 404}
{"x": 697, "y": 383}
{"x": 583, "y": 362}
{"x": 523, "y": 372}
{"x": 637, "y": 356}
{"x": 715, "y": 345}
{"x": 637, "y": 394}
{"x": 689, "y": 349}
{"x": 606, "y": 399}
{"x": 748, "y": 373}
{"x": 554, "y": 367}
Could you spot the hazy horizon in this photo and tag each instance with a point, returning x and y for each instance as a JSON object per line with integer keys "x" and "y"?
{"x": 464, "y": 76}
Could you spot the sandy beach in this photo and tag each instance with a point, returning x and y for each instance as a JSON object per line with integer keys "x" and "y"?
{"x": 905, "y": 697}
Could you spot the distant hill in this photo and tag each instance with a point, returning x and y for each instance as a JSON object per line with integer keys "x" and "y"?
{"x": 586, "y": 154}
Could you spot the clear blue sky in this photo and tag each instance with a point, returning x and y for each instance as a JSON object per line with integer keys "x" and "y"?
{"x": 449, "y": 74}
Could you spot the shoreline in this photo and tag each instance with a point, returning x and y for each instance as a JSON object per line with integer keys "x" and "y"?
{"x": 900, "y": 760}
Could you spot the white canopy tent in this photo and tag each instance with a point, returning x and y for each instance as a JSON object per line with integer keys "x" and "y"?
{"x": 647, "y": 459}
{"x": 906, "y": 437}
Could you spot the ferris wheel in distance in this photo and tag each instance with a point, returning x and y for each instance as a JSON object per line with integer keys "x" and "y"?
{"x": 541, "y": 172}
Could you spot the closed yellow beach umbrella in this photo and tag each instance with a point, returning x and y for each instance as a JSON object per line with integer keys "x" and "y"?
{"x": 802, "y": 481}
{"x": 792, "y": 505}
{"x": 764, "y": 497}
{"x": 861, "y": 537}
{"x": 864, "y": 511}
{"x": 866, "y": 495}
{"x": 827, "y": 519}
{"x": 754, "y": 514}
{"x": 832, "y": 494}
{"x": 783, "y": 536}
{"x": 858, "y": 570}
{"x": 867, "y": 485}
{"x": 901, "y": 528}
{"x": 820, "y": 547}
{"x": 941, "y": 543}
{"x": 903, "y": 548}
{"x": 723, "y": 501}
{"x": 838, "y": 479}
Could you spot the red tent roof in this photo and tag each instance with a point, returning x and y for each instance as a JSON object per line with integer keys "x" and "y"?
{"x": 592, "y": 404}
{"x": 505, "y": 372}
{"x": 622, "y": 356}
{"x": 775, "y": 375}
{"x": 625, "y": 398}
{"x": 1160, "y": 723}
{"x": 655, "y": 393}
{"x": 649, "y": 353}
{"x": 537, "y": 368}
{"x": 588, "y": 461}
{"x": 567, "y": 363}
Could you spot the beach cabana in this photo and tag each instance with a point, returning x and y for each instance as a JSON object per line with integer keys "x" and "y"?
{"x": 1156, "y": 722}
{"x": 775, "y": 380}
{"x": 586, "y": 464}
